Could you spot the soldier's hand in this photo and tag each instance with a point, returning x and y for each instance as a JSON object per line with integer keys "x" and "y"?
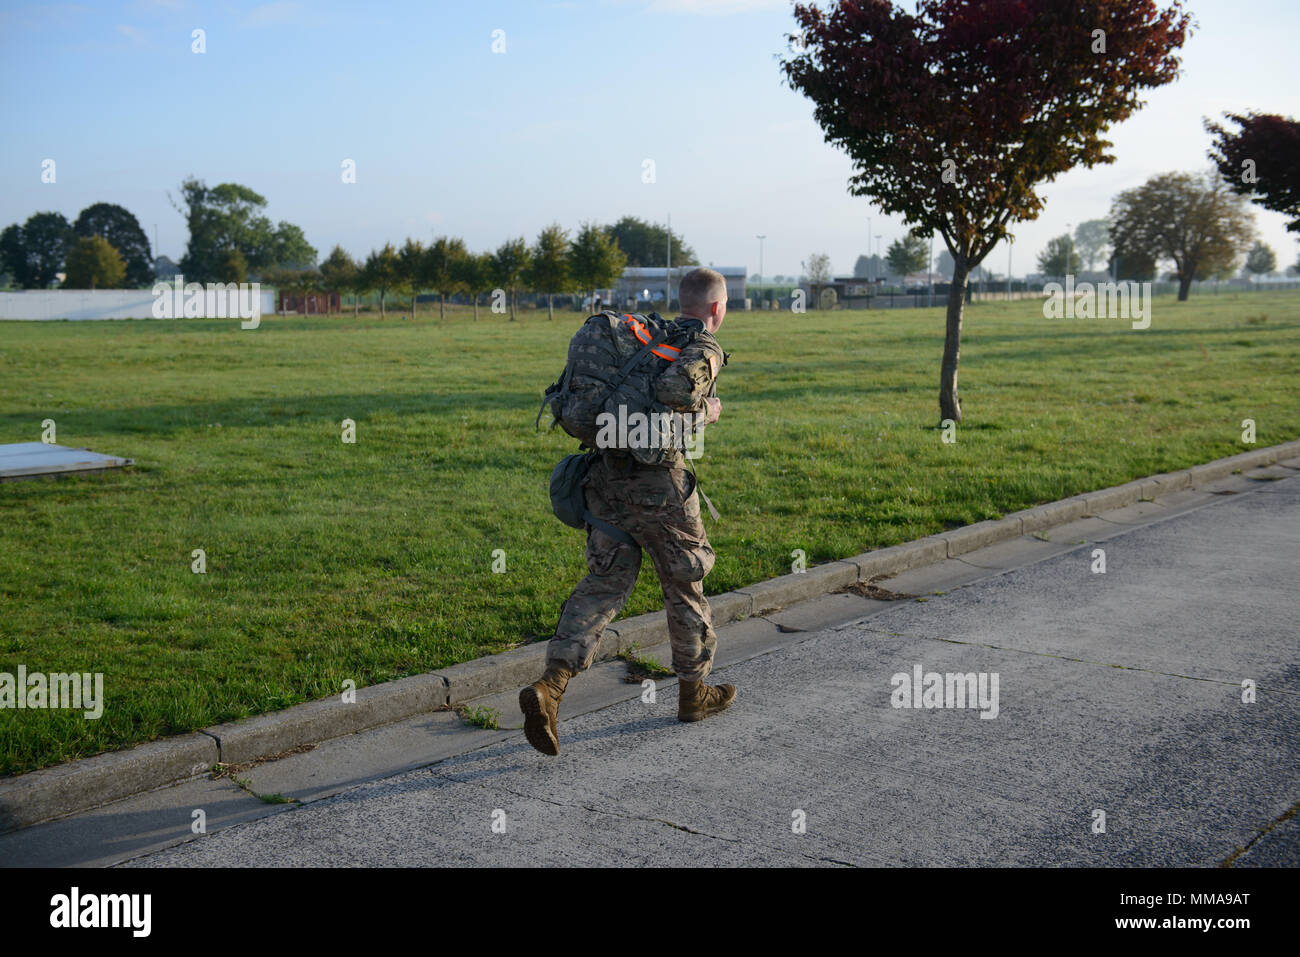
{"x": 714, "y": 406}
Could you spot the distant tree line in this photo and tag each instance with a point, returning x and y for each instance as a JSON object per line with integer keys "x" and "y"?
{"x": 556, "y": 262}
{"x": 105, "y": 248}
{"x": 1200, "y": 224}
{"x": 553, "y": 263}
{"x": 230, "y": 240}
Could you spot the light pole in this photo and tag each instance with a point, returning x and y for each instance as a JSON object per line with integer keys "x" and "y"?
{"x": 929, "y": 269}
{"x": 668, "y": 266}
{"x": 1010, "y": 239}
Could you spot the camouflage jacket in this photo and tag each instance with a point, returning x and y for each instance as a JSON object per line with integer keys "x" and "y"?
{"x": 692, "y": 376}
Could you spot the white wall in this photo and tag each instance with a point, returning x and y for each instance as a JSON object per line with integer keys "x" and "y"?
{"x": 90, "y": 304}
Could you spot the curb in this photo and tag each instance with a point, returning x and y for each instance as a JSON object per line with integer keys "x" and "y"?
{"x": 50, "y": 793}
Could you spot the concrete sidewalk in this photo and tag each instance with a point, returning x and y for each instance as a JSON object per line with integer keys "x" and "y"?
{"x": 1118, "y": 693}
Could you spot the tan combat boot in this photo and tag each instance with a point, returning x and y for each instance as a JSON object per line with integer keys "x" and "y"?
{"x": 696, "y": 700}
{"x": 540, "y": 703}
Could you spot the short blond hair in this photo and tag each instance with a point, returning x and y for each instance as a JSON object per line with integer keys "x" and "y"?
{"x": 702, "y": 287}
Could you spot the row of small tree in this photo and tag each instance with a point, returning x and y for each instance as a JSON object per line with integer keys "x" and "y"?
{"x": 1197, "y": 223}
{"x": 554, "y": 263}
{"x": 1200, "y": 224}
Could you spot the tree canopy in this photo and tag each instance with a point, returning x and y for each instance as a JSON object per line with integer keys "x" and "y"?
{"x": 338, "y": 271}
{"x": 229, "y": 216}
{"x": 509, "y": 267}
{"x": 548, "y": 263}
{"x": 1060, "y": 257}
{"x": 907, "y": 255}
{"x": 1194, "y": 221}
{"x": 646, "y": 244}
{"x": 596, "y": 260}
{"x": 440, "y": 270}
{"x": 474, "y": 274}
{"x": 123, "y": 232}
{"x": 93, "y": 263}
{"x": 1261, "y": 160}
{"x": 35, "y": 252}
{"x": 1261, "y": 260}
{"x": 382, "y": 272}
{"x": 1091, "y": 239}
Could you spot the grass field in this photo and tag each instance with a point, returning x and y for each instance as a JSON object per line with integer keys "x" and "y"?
{"x": 328, "y": 561}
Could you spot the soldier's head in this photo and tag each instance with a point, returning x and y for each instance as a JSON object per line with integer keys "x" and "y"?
{"x": 703, "y": 296}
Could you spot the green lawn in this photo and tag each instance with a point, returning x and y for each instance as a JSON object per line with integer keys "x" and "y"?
{"x": 328, "y": 561}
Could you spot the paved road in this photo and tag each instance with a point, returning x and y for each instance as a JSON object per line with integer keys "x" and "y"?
{"x": 1118, "y": 693}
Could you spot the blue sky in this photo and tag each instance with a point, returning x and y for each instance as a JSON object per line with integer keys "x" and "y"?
{"x": 450, "y": 137}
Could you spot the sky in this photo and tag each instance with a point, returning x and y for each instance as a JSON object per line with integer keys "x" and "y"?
{"x": 490, "y": 120}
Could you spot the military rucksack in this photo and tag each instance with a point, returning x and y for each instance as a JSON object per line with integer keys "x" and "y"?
{"x": 612, "y": 365}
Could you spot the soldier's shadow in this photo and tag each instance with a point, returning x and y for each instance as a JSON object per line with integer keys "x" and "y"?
{"x": 467, "y": 767}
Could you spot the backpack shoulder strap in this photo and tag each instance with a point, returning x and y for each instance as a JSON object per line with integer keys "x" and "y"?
{"x": 658, "y": 339}
{"x": 615, "y": 533}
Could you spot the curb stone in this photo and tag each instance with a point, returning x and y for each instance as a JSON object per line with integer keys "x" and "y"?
{"x": 50, "y": 793}
{"x": 800, "y": 586}
{"x": 251, "y": 738}
{"x": 900, "y": 558}
{"x": 1041, "y": 517}
{"x": 28, "y": 799}
{"x": 1115, "y": 497}
{"x": 970, "y": 537}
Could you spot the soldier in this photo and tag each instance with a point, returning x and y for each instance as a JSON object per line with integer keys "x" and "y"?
{"x": 659, "y": 508}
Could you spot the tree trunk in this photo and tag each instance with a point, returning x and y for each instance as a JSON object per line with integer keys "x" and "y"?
{"x": 949, "y": 403}
{"x": 512, "y": 305}
{"x": 442, "y": 305}
{"x": 550, "y": 313}
{"x": 356, "y": 305}
{"x": 382, "y": 295}
{"x": 413, "y": 294}
{"x": 1184, "y": 287}
{"x": 476, "y": 307}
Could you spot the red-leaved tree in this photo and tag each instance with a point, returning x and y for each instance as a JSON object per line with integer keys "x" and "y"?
{"x": 1261, "y": 160}
{"x": 953, "y": 115}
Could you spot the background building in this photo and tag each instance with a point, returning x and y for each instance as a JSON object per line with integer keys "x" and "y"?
{"x": 646, "y": 284}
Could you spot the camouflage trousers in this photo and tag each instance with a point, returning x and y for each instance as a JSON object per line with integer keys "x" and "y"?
{"x": 652, "y": 506}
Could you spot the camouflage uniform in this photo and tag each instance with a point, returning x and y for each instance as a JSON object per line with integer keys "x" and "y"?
{"x": 659, "y": 508}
